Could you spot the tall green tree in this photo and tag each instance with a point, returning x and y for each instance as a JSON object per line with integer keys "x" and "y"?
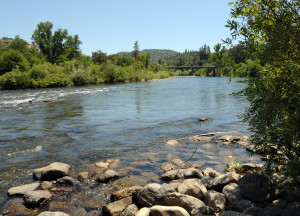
{"x": 272, "y": 29}
{"x": 136, "y": 49}
{"x": 99, "y": 57}
{"x": 58, "y": 46}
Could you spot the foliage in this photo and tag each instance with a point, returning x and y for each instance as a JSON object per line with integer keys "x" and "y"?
{"x": 12, "y": 59}
{"x": 271, "y": 29}
{"x": 99, "y": 57}
{"x": 136, "y": 49}
{"x": 15, "y": 79}
{"x": 58, "y": 46}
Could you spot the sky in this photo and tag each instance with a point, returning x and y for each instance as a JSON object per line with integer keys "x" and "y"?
{"x": 114, "y": 25}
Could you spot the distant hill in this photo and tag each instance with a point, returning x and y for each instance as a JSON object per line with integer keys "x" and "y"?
{"x": 155, "y": 54}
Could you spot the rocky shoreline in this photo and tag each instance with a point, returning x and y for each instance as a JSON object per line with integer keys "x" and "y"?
{"x": 183, "y": 190}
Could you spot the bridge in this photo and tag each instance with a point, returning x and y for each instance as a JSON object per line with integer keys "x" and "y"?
{"x": 195, "y": 67}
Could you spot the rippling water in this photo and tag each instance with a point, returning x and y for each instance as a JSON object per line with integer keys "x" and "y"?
{"x": 131, "y": 122}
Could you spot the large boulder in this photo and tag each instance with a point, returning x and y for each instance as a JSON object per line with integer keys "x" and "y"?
{"x": 292, "y": 209}
{"x": 168, "y": 211}
{"x": 216, "y": 200}
{"x": 20, "y": 190}
{"x": 52, "y": 172}
{"x": 232, "y": 192}
{"x": 143, "y": 212}
{"x": 256, "y": 188}
{"x": 148, "y": 195}
{"x": 33, "y": 199}
{"x": 185, "y": 201}
{"x": 207, "y": 181}
{"x": 225, "y": 179}
{"x": 115, "y": 208}
{"x": 242, "y": 204}
{"x": 193, "y": 187}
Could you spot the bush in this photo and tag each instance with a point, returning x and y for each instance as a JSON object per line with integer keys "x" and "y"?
{"x": 13, "y": 59}
{"x": 15, "y": 80}
{"x": 80, "y": 77}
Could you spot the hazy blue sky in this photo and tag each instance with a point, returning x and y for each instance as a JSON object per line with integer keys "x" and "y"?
{"x": 114, "y": 25}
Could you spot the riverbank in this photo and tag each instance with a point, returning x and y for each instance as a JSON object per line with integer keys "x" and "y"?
{"x": 183, "y": 188}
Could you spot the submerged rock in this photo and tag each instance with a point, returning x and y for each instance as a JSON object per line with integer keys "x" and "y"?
{"x": 130, "y": 191}
{"x": 52, "y": 172}
{"x": 20, "y": 190}
{"x": 172, "y": 143}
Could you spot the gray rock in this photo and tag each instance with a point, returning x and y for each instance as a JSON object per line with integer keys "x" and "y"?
{"x": 66, "y": 180}
{"x": 148, "y": 195}
{"x": 232, "y": 213}
{"x": 126, "y": 192}
{"x": 205, "y": 210}
{"x": 215, "y": 200}
{"x": 20, "y": 190}
{"x": 46, "y": 185}
{"x": 207, "y": 181}
{"x": 185, "y": 201}
{"x": 173, "y": 174}
{"x": 251, "y": 167}
{"x": 35, "y": 198}
{"x": 292, "y": 209}
{"x": 178, "y": 163}
{"x": 273, "y": 210}
{"x": 115, "y": 208}
{"x": 168, "y": 211}
{"x": 254, "y": 211}
{"x": 232, "y": 192}
{"x": 229, "y": 138}
{"x": 201, "y": 138}
{"x": 48, "y": 213}
{"x": 192, "y": 173}
{"x": 172, "y": 143}
{"x": 106, "y": 176}
{"x": 166, "y": 167}
{"x": 166, "y": 189}
{"x": 130, "y": 210}
{"x": 256, "y": 188}
{"x": 193, "y": 187}
{"x": 52, "y": 172}
{"x": 211, "y": 172}
{"x": 225, "y": 179}
{"x": 242, "y": 204}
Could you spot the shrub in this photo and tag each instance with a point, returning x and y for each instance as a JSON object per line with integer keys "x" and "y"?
{"x": 13, "y": 59}
{"x": 15, "y": 80}
{"x": 80, "y": 77}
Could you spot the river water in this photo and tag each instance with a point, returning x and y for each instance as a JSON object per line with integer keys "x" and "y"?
{"x": 130, "y": 122}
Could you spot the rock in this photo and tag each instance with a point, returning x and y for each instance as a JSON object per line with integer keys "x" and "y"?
{"x": 130, "y": 191}
{"x": 46, "y": 185}
{"x": 292, "y": 209}
{"x": 177, "y": 162}
{"x": 48, "y": 213}
{"x": 242, "y": 204}
{"x": 207, "y": 181}
{"x": 166, "y": 167}
{"x": 46, "y": 100}
{"x": 245, "y": 138}
{"x": 103, "y": 164}
{"x": 172, "y": 143}
{"x": 210, "y": 172}
{"x": 15, "y": 207}
{"x": 193, "y": 187}
{"x": 256, "y": 188}
{"x": 173, "y": 174}
{"x": 33, "y": 199}
{"x": 203, "y": 119}
{"x": 192, "y": 173}
{"x": 205, "y": 210}
{"x": 20, "y": 190}
{"x": 232, "y": 213}
{"x": 232, "y": 192}
{"x": 185, "y": 201}
{"x": 130, "y": 210}
{"x": 251, "y": 167}
{"x": 106, "y": 176}
{"x": 242, "y": 143}
{"x": 52, "y": 172}
{"x": 143, "y": 212}
{"x": 224, "y": 179}
{"x": 201, "y": 138}
{"x": 168, "y": 211}
{"x": 115, "y": 208}
{"x": 273, "y": 209}
{"x": 55, "y": 206}
{"x": 166, "y": 189}
{"x": 148, "y": 195}
{"x": 215, "y": 200}
{"x": 254, "y": 211}
{"x": 92, "y": 201}
{"x": 229, "y": 138}
{"x": 83, "y": 176}
{"x": 67, "y": 180}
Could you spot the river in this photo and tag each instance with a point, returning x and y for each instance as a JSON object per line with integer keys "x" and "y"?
{"x": 130, "y": 122}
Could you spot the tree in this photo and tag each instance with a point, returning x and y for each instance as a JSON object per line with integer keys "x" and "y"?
{"x": 12, "y": 59}
{"x": 136, "y": 49}
{"x": 56, "y": 46}
{"x": 272, "y": 29}
{"x": 99, "y": 57}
